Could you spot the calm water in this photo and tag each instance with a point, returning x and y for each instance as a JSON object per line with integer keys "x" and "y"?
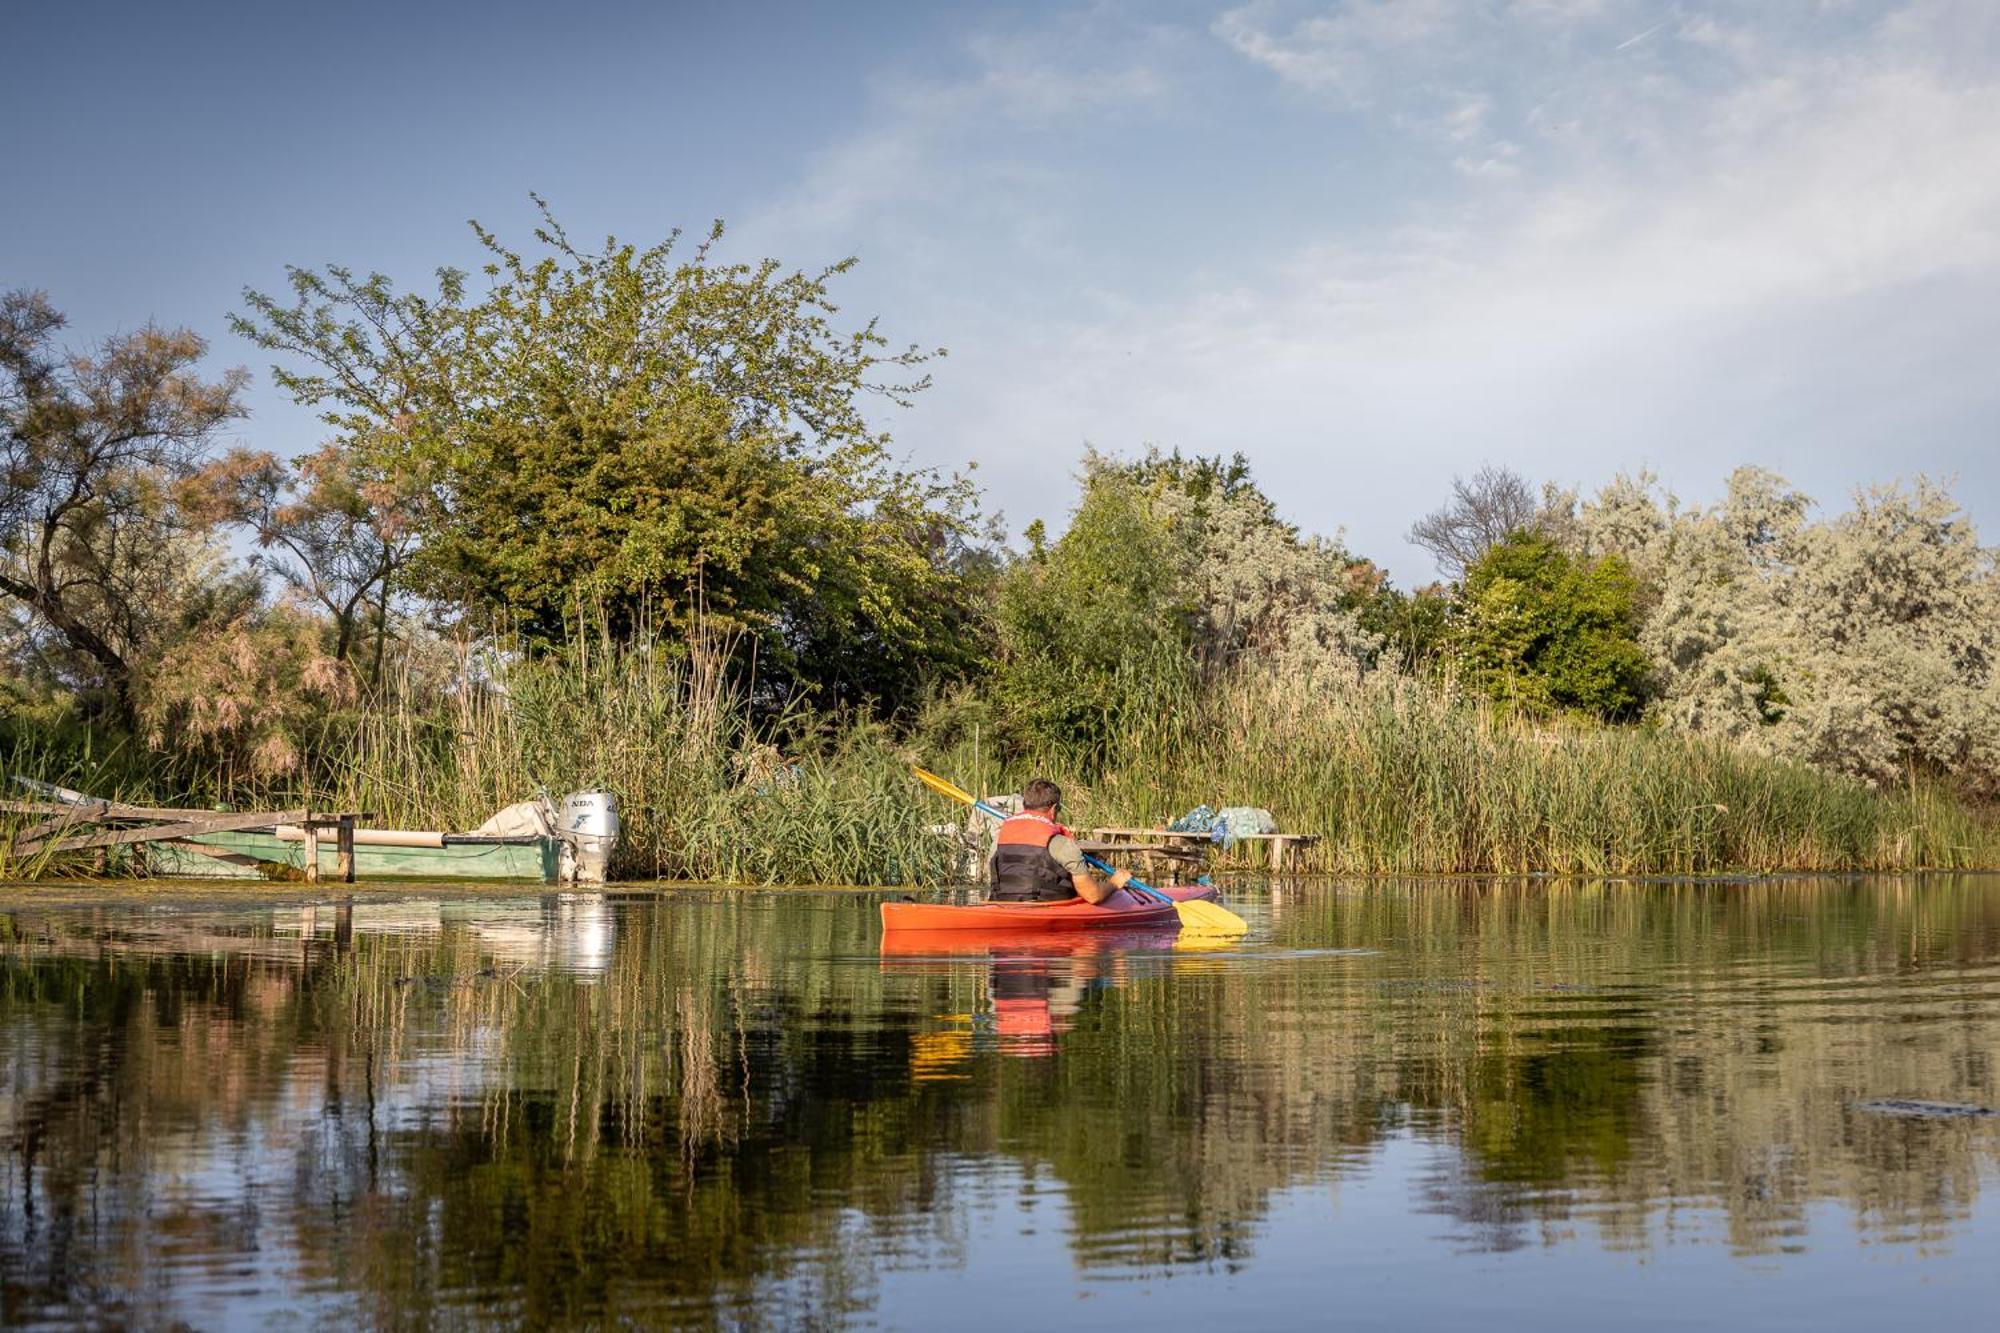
{"x": 1393, "y": 1105}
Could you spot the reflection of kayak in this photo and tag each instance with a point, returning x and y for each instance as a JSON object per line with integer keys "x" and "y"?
{"x": 1121, "y": 911}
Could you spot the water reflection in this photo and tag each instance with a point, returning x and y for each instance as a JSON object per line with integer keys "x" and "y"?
{"x": 565, "y": 932}
{"x": 743, "y": 1108}
{"x": 1028, "y": 989}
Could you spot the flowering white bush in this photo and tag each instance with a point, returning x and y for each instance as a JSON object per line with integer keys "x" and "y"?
{"x": 1864, "y": 643}
{"x": 1269, "y": 594}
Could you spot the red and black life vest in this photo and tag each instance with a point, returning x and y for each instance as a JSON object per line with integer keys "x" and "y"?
{"x": 1023, "y": 870}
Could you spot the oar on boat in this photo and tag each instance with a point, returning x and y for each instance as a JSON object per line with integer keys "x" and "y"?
{"x": 1208, "y": 917}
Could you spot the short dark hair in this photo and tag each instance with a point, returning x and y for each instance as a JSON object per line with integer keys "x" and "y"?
{"x": 1040, "y": 794}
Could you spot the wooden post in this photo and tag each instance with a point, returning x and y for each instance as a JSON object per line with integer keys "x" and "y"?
{"x": 1278, "y": 855}
{"x": 345, "y": 844}
{"x": 312, "y": 850}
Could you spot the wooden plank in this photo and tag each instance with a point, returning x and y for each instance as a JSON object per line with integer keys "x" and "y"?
{"x": 99, "y": 811}
{"x": 211, "y": 823}
{"x": 37, "y": 832}
{"x": 312, "y": 851}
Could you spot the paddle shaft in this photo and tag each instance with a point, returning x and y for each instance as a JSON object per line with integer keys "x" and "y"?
{"x": 994, "y": 812}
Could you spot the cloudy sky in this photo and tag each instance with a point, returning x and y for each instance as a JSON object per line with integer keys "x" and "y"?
{"x": 1369, "y": 243}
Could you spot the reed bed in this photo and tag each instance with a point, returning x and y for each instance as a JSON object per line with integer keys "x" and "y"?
{"x": 1405, "y": 776}
{"x": 707, "y": 792}
{"x": 1396, "y": 775}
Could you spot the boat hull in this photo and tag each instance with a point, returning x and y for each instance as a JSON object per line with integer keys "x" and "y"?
{"x": 1123, "y": 910}
{"x": 266, "y": 856}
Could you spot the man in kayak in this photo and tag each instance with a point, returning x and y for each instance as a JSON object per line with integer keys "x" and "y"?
{"x": 1037, "y": 860}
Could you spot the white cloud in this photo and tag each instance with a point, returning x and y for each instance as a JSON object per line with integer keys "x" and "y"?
{"x": 1745, "y": 237}
{"x": 1342, "y": 49}
{"x": 935, "y": 144}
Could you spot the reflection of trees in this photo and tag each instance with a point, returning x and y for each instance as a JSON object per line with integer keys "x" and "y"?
{"x": 727, "y": 1113}
{"x": 1599, "y": 1051}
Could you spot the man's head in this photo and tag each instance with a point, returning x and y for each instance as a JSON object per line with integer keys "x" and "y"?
{"x": 1041, "y": 794}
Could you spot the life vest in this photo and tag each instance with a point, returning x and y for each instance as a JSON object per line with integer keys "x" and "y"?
{"x": 1023, "y": 870}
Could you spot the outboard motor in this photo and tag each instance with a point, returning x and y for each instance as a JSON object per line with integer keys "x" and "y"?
{"x": 587, "y": 822}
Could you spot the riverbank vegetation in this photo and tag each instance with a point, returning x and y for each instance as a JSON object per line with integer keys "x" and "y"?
{"x": 626, "y": 517}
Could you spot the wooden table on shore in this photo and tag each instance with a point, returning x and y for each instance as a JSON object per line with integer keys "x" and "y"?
{"x": 1283, "y": 845}
{"x": 1179, "y": 856}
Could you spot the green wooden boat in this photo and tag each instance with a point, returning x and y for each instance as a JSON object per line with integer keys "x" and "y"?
{"x": 539, "y": 841}
{"x": 534, "y": 858}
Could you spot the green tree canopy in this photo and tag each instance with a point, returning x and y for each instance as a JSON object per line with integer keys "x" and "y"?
{"x": 1172, "y": 567}
{"x": 95, "y": 547}
{"x": 1542, "y": 629}
{"x": 1090, "y": 625}
{"x": 657, "y": 438}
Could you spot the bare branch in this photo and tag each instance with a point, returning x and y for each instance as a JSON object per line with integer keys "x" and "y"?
{"x": 1484, "y": 511}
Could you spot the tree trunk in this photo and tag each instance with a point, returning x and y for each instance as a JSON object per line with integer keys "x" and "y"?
{"x": 382, "y": 625}
{"x": 117, "y": 673}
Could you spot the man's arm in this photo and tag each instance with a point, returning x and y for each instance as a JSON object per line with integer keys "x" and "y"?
{"x": 1088, "y": 886}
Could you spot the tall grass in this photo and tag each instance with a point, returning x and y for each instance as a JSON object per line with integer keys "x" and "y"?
{"x": 1395, "y": 775}
{"x": 1399, "y": 775}
{"x": 707, "y": 793}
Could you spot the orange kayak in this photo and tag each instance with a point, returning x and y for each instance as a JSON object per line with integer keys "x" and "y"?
{"x": 1123, "y": 910}
{"x": 918, "y": 950}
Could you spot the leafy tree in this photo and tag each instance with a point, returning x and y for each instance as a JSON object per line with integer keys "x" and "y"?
{"x": 660, "y": 439}
{"x": 93, "y": 543}
{"x": 1413, "y": 628}
{"x": 1541, "y": 629}
{"x": 1092, "y": 625}
{"x": 1202, "y": 478}
{"x": 1264, "y": 592}
{"x": 1174, "y": 571}
{"x": 334, "y": 532}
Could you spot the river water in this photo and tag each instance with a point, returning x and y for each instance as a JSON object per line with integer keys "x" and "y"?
{"x": 1392, "y": 1105}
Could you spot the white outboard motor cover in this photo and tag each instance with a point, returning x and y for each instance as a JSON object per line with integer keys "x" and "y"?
{"x": 588, "y": 824}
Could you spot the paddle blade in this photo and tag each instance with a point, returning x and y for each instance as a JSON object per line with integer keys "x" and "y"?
{"x": 945, "y": 787}
{"x": 1210, "y": 918}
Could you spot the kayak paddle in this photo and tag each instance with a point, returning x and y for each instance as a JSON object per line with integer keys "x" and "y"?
{"x": 1209, "y": 917}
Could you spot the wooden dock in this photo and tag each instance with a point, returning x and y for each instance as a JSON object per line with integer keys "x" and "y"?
{"x": 93, "y": 825}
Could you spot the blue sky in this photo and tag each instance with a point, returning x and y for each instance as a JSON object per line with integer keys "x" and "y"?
{"x": 1370, "y": 243}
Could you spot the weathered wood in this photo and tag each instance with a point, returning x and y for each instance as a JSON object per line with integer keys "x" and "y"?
{"x": 312, "y": 852}
{"x": 1282, "y": 844}
{"x": 212, "y": 823}
{"x": 37, "y": 832}
{"x": 1179, "y": 850}
{"x": 100, "y": 811}
{"x": 344, "y": 860}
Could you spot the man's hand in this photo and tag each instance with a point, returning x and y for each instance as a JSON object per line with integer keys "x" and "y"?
{"x": 1121, "y": 878}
